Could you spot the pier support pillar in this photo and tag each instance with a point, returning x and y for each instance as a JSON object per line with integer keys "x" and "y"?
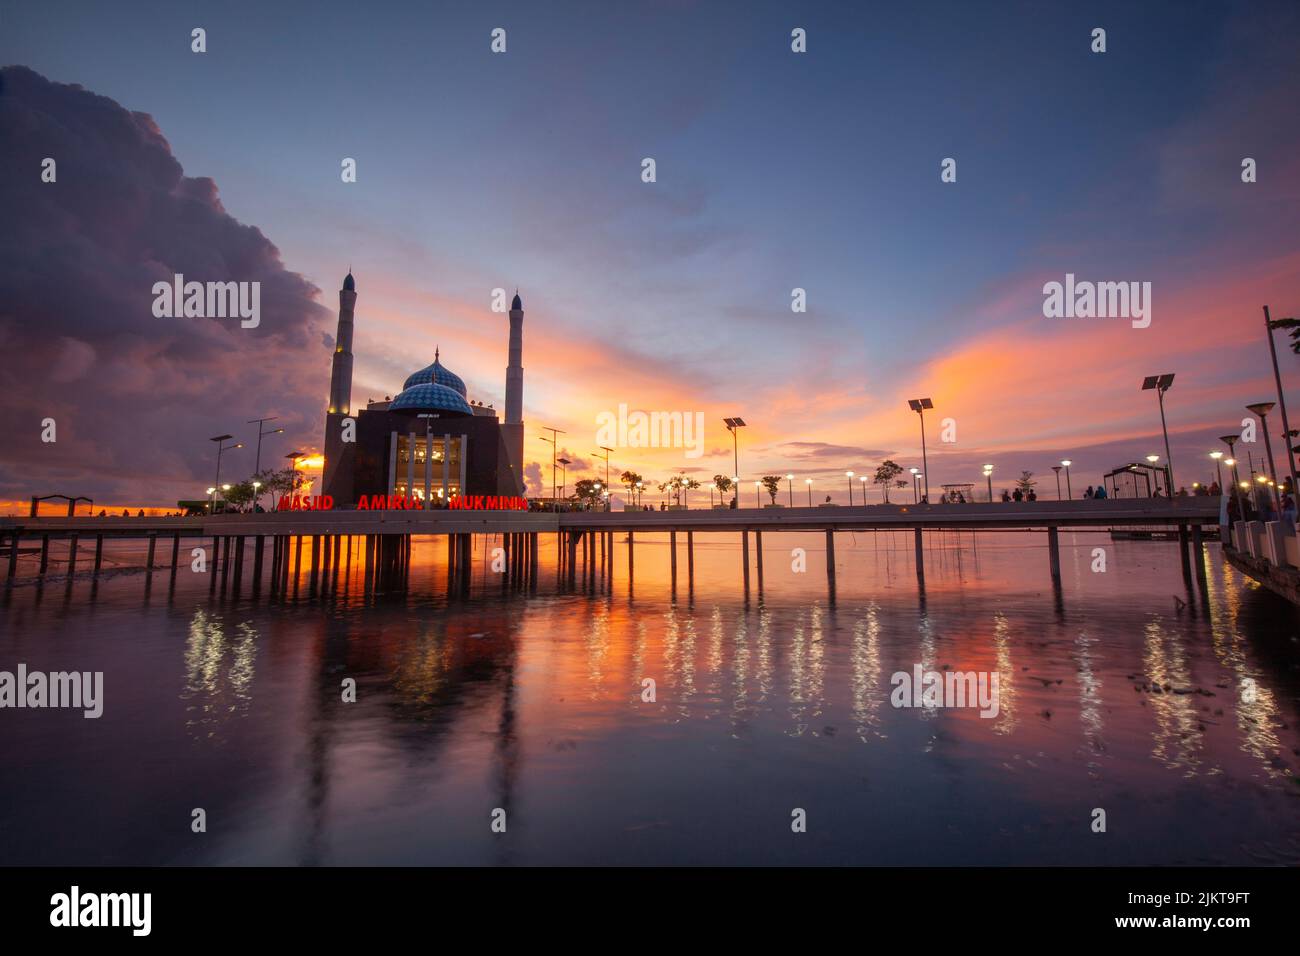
{"x": 744, "y": 557}
{"x": 830, "y": 563}
{"x": 259, "y": 544}
{"x": 690, "y": 561}
{"x": 1198, "y": 554}
{"x": 1054, "y": 554}
{"x": 45, "y": 553}
{"x": 630, "y": 549}
{"x": 176, "y": 554}
{"x": 672, "y": 548}
{"x": 99, "y": 550}
{"x": 758, "y": 556}
{"x": 239, "y": 563}
{"x": 1184, "y": 553}
{"x": 13, "y": 555}
{"x": 72, "y": 556}
{"x": 919, "y": 541}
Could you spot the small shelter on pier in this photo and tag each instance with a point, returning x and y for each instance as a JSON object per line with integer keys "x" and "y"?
{"x": 1136, "y": 480}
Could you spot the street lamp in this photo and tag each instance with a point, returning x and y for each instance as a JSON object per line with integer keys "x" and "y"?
{"x": 863, "y": 479}
{"x": 919, "y": 405}
{"x": 849, "y": 476}
{"x": 916, "y": 493}
{"x": 1057, "y": 469}
{"x": 221, "y": 444}
{"x": 606, "y": 450}
{"x": 554, "y": 447}
{"x": 1161, "y": 384}
{"x": 789, "y": 483}
{"x": 563, "y": 463}
{"x": 758, "y": 500}
{"x": 1066, "y": 463}
{"x": 1262, "y": 409}
{"x": 1269, "y": 325}
{"x": 1218, "y": 472}
{"x": 988, "y": 476}
{"x": 734, "y": 425}
{"x": 808, "y": 483}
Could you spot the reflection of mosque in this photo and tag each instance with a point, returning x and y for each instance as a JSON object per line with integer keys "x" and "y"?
{"x": 429, "y": 442}
{"x": 439, "y": 679}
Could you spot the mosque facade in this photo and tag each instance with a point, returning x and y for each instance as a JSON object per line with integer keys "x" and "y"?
{"x": 429, "y": 441}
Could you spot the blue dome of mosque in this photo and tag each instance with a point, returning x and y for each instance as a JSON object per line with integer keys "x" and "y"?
{"x": 437, "y": 374}
{"x": 430, "y": 397}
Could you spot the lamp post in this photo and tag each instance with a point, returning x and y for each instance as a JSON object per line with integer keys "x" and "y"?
{"x": 293, "y": 457}
{"x": 554, "y": 447}
{"x": 1066, "y": 463}
{"x": 1057, "y": 469}
{"x": 1286, "y": 426}
{"x": 734, "y": 425}
{"x": 257, "y": 461}
{"x": 916, "y": 486}
{"x": 789, "y": 483}
{"x": 988, "y": 476}
{"x": 564, "y": 464}
{"x": 1218, "y": 471}
{"x": 211, "y": 491}
{"x": 919, "y": 405}
{"x": 1231, "y": 461}
{"x": 1162, "y": 383}
{"x": 758, "y": 498}
{"x": 849, "y": 476}
{"x": 1262, "y": 409}
{"x": 808, "y": 483}
{"x": 606, "y": 451}
{"x": 221, "y": 444}
{"x": 863, "y": 480}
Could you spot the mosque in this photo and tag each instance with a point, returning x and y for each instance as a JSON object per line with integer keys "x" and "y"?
{"x": 429, "y": 441}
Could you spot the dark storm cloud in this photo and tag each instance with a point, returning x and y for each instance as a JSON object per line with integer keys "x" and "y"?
{"x": 135, "y": 397}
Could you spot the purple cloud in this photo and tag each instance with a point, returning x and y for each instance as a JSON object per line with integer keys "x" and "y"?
{"x": 134, "y": 397}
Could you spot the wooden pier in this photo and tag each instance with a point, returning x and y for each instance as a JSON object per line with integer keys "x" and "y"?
{"x": 381, "y": 540}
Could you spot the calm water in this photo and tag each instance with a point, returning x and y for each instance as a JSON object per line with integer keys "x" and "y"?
{"x": 533, "y": 704}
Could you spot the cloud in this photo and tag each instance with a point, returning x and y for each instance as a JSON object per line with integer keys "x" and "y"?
{"x": 135, "y": 397}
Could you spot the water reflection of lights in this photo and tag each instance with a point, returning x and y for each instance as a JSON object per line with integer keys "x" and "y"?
{"x": 1005, "y": 722}
{"x": 218, "y": 672}
{"x": 867, "y": 693}
{"x": 1176, "y": 740}
{"x": 1089, "y": 691}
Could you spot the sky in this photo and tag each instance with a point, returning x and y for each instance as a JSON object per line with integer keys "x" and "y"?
{"x": 775, "y": 170}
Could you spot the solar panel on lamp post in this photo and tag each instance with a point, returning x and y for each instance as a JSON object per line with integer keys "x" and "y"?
{"x": 1162, "y": 383}
{"x": 919, "y": 405}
